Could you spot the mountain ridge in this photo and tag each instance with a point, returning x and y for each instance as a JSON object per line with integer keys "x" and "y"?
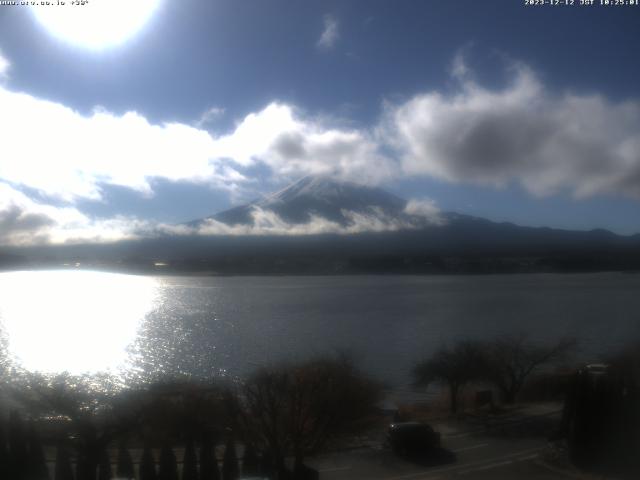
{"x": 330, "y": 199}
{"x": 233, "y": 242}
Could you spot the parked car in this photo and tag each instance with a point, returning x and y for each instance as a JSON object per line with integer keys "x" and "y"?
{"x": 411, "y": 439}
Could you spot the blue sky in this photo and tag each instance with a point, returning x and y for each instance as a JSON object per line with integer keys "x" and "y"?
{"x": 492, "y": 108}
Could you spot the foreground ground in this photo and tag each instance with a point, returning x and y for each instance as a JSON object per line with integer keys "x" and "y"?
{"x": 510, "y": 445}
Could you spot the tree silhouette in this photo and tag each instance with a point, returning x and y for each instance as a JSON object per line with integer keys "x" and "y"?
{"x": 148, "y": 465}
{"x": 91, "y": 403}
{"x": 454, "y": 366}
{"x": 18, "y": 449}
{"x": 250, "y": 461}
{"x": 104, "y": 466}
{"x": 510, "y": 360}
{"x": 268, "y": 467}
{"x": 175, "y": 408}
{"x": 168, "y": 465}
{"x": 85, "y": 466}
{"x": 124, "y": 468}
{"x": 190, "y": 462}
{"x": 63, "y": 465}
{"x": 298, "y": 409}
{"x": 4, "y": 453}
{"x": 208, "y": 462}
{"x": 37, "y": 463}
{"x": 230, "y": 461}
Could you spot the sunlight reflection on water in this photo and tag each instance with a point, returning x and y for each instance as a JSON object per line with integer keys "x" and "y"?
{"x": 75, "y": 321}
{"x": 206, "y": 326}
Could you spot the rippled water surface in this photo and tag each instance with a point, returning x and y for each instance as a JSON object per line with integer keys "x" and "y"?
{"x": 92, "y": 321}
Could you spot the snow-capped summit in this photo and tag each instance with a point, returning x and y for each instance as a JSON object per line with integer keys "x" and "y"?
{"x": 327, "y": 190}
{"x": 320, "y": 197}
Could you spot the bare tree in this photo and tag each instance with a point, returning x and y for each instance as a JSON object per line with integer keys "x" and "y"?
{"x": 179, "y": 408}
{"x": 511, "y": 359}
{"x": 298, "y": 409}
{"x": 454, "y": 366}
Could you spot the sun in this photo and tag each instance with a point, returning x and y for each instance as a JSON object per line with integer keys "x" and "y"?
{"x": 96, "y": 24}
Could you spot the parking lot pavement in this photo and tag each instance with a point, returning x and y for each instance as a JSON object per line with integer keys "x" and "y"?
{"x": 508, "y": 448}
{"x": 529, "y": 420}
{"x": 474, "y": 455}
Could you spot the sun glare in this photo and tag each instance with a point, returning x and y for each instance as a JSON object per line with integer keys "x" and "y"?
{"x": 97, "y": 24}
{"x": 75, "y": 321}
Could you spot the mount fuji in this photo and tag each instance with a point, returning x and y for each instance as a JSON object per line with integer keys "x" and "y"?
{"x": 320, "y": 225}
{"x": 341, "y": 204}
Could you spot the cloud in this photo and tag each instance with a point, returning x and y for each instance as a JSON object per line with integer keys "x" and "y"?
{"x": 210, "y": 116}
{"x": 425, "y": 208}
{"x": 24, "y": 221}
{"x": 63, "y": 154}
{"x": 267, "y": 222}
{"x": 522, "y": 132}
{"x": 549, "y": 143}
{"x": 459, "y": 68}
{"x": 293, "y": 146}
{"x": 330, "y": 35}
{"x": 4, "y": 68}
{"x": 56, "y": 150}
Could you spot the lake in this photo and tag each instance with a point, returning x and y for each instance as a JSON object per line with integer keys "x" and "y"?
{"x": 91, "y": 321}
